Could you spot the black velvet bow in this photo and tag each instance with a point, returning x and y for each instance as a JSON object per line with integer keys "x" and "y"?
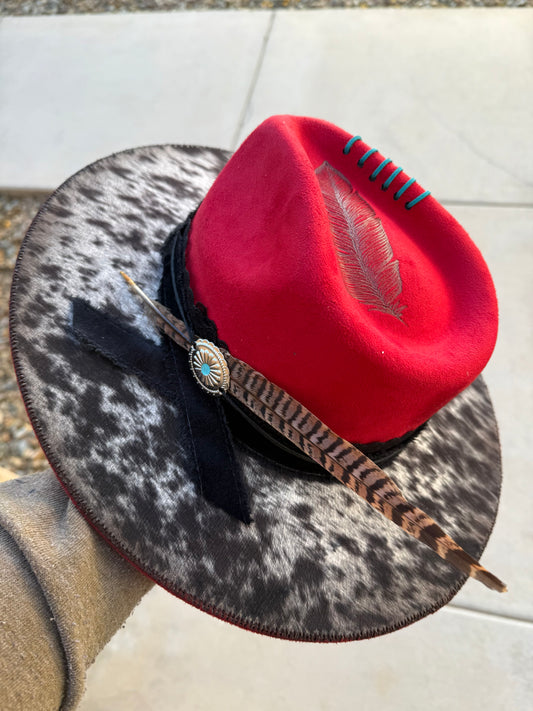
{"x": 166, "y": 370}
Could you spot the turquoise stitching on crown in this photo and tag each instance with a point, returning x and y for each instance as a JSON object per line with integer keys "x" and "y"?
{"x": 391, "y": 177}
{"x": 387, "y": 183}
{"x": 398, "y": 194}
{"x": 367, "y": 155}
{"x": 411, "y": 203}
{"x": 350, "y": 143}
{"x": 380, "y": 168}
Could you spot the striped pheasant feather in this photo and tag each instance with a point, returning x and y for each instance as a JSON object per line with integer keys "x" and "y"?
{"x": 337, "y": 456}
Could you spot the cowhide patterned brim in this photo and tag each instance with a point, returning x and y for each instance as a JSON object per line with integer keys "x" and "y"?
{"x": 317, "y": 563}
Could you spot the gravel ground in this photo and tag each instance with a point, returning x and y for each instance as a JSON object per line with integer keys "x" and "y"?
{"x": 20, "y": 452}
{"x": 62, "y": 7}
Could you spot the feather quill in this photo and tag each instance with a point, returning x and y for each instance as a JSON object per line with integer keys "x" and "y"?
{"x": 337, "y": 456}
{"x": 370, "y": 272}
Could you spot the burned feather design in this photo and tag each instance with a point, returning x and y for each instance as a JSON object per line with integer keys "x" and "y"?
{"x": 366, "y": 260}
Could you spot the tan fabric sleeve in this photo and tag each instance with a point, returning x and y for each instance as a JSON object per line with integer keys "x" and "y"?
{"x": 63, "y": 594}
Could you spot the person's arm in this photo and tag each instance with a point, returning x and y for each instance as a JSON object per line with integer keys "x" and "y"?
{"x": 63, "y": 594}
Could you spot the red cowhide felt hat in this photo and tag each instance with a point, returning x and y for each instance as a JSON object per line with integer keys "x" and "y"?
{"x": 288, "y": 428}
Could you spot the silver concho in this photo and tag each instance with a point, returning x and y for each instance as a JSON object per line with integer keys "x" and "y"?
{"x": 209, "y": 367}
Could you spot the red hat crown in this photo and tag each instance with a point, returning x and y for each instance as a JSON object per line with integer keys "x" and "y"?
{"x": 324, "y": 270}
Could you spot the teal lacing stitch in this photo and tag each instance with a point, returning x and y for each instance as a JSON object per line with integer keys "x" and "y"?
{"x": 387, "y": 183}
{"x": 398, "y": 194}
{"x": 379, "y": 169}
{"x": 350, "y": 143}
{"x": 367, "y": 155}
{"x": 391, "y": 177}
{"x": 411, "y": 203}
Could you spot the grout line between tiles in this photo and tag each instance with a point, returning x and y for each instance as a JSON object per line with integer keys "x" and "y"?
{"x": 482, "y": 203}
{"x": 465, "y": 610}
{"x": 253, "y": 83}
{"x": 22, "y": 192}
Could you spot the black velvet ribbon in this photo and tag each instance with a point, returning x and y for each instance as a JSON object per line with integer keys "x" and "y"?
{"x": 217, "y": 472}
{"x": 166, "y": 370}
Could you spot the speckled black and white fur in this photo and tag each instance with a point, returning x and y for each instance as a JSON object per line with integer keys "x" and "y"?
{"x": 317, "y": 563}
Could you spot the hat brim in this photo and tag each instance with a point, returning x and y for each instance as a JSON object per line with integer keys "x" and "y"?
{"x": 317, "y": 563}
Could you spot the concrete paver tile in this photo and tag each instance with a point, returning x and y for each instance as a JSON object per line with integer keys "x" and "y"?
{"x": 75, "y": 88}
{"x": 447, "y": 95}
{"x": 170, "y": 657}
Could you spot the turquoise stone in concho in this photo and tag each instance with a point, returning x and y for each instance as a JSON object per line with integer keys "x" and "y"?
{"x": 209, "y": 367}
